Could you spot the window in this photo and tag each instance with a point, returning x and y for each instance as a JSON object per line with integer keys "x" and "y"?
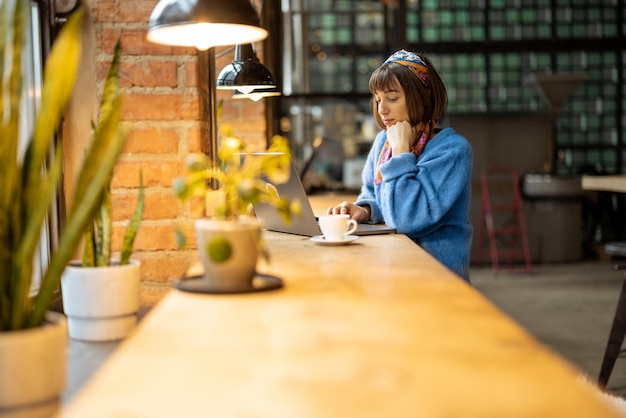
{"x": 484, "y": 51}
{"x": 34, "y": 60}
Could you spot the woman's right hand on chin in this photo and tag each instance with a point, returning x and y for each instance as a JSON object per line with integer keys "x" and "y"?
{"x": 400, "y": 136}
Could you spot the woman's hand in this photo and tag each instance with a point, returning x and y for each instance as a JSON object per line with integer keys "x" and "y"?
{"x": 400, "y": 136}
{"x": 358, "y": 213}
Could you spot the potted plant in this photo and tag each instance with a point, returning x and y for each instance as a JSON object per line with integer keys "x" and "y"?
{"x": 33, "y": 339}
{"x": 101, "y": 293}
{"x": 229, "y": 242}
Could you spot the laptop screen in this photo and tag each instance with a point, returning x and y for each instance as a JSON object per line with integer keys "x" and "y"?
{"x": 302, "y": 224}
{"x": 305, "y": 223}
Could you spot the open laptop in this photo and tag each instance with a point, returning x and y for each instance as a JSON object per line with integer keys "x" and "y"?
{"x": 306, "y": 222}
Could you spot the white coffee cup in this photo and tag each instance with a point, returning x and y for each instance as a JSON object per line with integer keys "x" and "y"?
{"x": 336, "y": 227}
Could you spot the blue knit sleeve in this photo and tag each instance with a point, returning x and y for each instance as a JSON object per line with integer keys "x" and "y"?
{"x": 416, "y": 194}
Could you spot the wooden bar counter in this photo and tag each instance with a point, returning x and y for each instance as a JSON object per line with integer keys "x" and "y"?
{"x": 376, "y": 328}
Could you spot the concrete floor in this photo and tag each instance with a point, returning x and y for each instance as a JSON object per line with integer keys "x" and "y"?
{"x": 568, "y": 307}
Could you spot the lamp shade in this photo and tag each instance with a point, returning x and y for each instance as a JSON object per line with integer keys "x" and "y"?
{"x": 204, "y": 23}
{"x": 245, "y": 73}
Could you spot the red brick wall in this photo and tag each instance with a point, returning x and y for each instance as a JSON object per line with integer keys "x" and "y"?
{"x": 165, "y": 97}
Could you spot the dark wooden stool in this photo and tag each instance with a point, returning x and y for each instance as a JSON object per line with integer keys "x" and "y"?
{"x": 618, "y": 329}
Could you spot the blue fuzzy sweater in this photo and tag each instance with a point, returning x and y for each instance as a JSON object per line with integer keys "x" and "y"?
{"x": 426, "y": 198}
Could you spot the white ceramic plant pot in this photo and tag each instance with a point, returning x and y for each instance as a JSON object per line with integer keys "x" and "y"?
{"x": 229, "y": 251}
{"x": 101, "y": 303}
{"x": 32, "y": 369}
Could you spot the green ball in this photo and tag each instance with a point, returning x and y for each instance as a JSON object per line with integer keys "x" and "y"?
{"x": 219, "y": 249}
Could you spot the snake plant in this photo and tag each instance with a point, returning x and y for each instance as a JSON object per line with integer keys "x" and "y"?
{"x": 28, "y": 185}
{"x": 97, "y": 246}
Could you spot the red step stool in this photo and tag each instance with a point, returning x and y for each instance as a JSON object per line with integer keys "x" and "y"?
{"x": 502, "y": 220}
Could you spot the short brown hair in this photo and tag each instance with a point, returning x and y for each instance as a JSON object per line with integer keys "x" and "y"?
{"x": 423, "y": 103}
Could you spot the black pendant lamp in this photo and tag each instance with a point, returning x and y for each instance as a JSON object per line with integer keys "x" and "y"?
{"x": 204, "y": 23}
{"x": 245, "y": 73}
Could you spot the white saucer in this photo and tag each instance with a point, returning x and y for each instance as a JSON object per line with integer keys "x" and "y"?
{"x": 319, "y": 239}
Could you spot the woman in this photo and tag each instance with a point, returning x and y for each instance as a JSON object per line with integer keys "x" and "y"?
{"x": 416, "y": 178}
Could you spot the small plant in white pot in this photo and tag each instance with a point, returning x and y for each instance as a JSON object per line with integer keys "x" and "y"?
{"x": 33, "y": 339}
{"x": 230, "y": 242}
{"x": 101, "y": 293}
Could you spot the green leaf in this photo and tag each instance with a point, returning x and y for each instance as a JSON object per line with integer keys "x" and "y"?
{"x": 31, "y": 235}
{"x": 181, "y": 238}
{"x": 98, "y": 252}
{"x": 12, "y": 27}
{"x": 111, "y": 85}
{"x": 133, "y": 226}
{"x": 89, "y": 250}
{"x": 60, "y": 74}
{"x": 104, "y": 230}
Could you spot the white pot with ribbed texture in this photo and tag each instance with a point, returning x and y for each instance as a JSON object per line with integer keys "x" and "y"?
{"x": 229, "y": 251}
{"x": 32, "y": 369}
{"x": 101, "y": 303}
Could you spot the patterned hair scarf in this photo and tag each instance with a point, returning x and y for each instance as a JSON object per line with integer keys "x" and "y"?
{"x": 413, "y": 62}
{"x": 423, "y": 130}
